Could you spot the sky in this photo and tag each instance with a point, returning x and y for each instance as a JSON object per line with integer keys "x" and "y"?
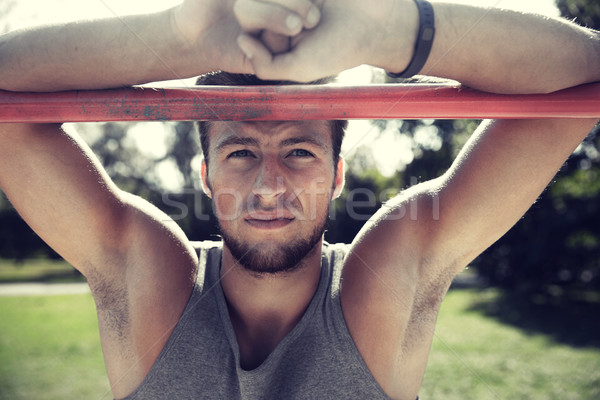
{"x": 392, "y": 150}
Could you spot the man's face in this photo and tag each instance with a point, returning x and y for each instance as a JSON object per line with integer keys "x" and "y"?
{"x": 271, "y": 185}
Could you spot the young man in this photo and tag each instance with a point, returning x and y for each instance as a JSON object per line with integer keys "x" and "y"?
{"x": 273, "y": 312}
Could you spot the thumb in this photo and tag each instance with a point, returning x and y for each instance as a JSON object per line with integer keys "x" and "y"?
{"x": 268, "y": 66}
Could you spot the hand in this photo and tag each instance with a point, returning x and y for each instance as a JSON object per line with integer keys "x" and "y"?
{"x": 210, "y": 27}
{"x": 285, "y": 20}
{"x": 349, "y": 33}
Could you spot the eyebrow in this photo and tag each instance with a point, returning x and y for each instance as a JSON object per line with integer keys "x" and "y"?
{"x": 304, "y": 139}
{"x": 248, "y": 141}
{"x": 234, "y": 140}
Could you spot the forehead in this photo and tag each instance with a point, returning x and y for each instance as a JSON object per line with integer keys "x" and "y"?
{"x": 271, "y": 133}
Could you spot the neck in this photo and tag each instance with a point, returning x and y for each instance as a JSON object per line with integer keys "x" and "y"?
{"x": 265, "y": 308}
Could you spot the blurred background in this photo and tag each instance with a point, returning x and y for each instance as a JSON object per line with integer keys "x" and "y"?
{"x": 521, "y": 322}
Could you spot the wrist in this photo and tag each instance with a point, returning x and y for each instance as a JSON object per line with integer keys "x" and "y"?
{"x": 398, "y": 43}
{"x": 186, "y": 45}
{"x": 423, "y": 42}
{"x": 203, "y": 36}
{"x": 183, "y": 30}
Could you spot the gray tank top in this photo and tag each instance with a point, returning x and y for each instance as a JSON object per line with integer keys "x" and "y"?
{"x": 316, "y": 360}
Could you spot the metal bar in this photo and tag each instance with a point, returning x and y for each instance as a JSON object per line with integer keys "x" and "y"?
{"x": 301, "y": 102}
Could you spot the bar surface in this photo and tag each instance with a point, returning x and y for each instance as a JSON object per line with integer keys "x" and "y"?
{"x": 298, "y": 102}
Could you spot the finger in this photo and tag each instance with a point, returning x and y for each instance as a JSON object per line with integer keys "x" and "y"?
{"x": 269, "y": 67}
{"x": 257, "y": 55}
{"x": 308, "y": 10}
{"x": 275, "y": 42}
{"x": 255, "y": 16}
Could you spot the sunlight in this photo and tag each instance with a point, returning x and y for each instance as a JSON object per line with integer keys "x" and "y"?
{"x": 27, "y": 13}
{"x": 544, "y": 7}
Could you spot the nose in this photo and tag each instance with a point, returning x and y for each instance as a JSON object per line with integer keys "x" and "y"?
{"x": 269, "y": 183}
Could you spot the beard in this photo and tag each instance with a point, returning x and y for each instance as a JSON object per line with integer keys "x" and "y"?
{"x": 271, "y": 258}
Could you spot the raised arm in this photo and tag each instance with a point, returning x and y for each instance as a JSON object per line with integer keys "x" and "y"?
{"x": 486, "y": 48}
{"x": 195, "y": 37}
{"x": 409, "y": 263}
{"x": 505, "y": 51}
{"x": 127, "y": 249}
{"x": 405, "y": 257}
{"x": 139, "y": 264}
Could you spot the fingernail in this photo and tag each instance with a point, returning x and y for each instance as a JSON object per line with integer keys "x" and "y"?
{"x": 313, "y": 17}
{"x": 293, "y": 23}
{"x": 245, "y": 47}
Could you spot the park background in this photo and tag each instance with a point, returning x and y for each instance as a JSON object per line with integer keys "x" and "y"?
{"x": 522, "y": 323}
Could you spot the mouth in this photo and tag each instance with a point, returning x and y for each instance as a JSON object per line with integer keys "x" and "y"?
{"x": 269, "y": 220}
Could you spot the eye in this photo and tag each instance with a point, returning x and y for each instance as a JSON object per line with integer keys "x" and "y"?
{"x": 240, "y": 154}
{"x": 301, "y": 153}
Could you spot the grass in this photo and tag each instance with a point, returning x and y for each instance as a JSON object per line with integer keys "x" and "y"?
{"x": 49, "y": 349}
{"x": 38, "y": 270}
{"x": 522, "y": 353}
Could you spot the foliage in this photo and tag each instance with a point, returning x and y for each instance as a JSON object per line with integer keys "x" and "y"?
{"x": 38, "y": 270}
{"x": 555, "y": 249}
{"x": 17, "y": 240}
{"x": 584, "y": 12}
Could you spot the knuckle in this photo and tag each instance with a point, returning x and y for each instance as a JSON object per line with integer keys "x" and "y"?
{"x": 305, "y": 7}
{"x": 276, "y": 43}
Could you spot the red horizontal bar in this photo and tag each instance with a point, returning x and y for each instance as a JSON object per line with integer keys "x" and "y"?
{"x": 301, "y": 102}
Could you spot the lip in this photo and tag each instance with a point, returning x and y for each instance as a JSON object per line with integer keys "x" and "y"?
{"x": 272, "y": 223}
{"x": 269, "y": 215}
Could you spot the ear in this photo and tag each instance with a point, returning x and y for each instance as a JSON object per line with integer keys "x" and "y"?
{"x": 339, "y": 179}
{"x": 204, "y": 178}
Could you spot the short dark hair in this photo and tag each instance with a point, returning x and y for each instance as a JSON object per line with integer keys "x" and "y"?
{"x": 222, "y": 78}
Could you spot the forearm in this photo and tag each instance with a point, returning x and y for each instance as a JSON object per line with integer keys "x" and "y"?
{"x": 504, "y": 51}
{"x": 96, "y": 54}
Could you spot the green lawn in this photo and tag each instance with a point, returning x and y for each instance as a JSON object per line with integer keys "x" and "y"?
{"x": 49, "y": 349}
{"x": 538, "y": 352}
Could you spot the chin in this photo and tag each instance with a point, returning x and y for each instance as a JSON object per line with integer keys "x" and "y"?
{"x": 270, "y": 257}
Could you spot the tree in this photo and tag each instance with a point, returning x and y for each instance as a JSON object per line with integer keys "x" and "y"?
{"x": 554, "y": 251}
{"x": 584, "y": 12}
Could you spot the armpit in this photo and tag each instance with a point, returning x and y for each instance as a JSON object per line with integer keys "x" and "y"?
{"x": 112, "y": 305}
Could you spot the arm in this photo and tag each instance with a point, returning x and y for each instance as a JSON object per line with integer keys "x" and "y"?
{"x": 403, "y": 260}
{"x": 195, "y": 37}
{"x": 495, "y": 179}
{"x": 127, "y": 249}
{"x": 94, "y": 54}
{"x": 488, "y": 49}
{"x": 139, "y": 264}
{"x": 505, "y": 51}
{"x": 109, "y": 52}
